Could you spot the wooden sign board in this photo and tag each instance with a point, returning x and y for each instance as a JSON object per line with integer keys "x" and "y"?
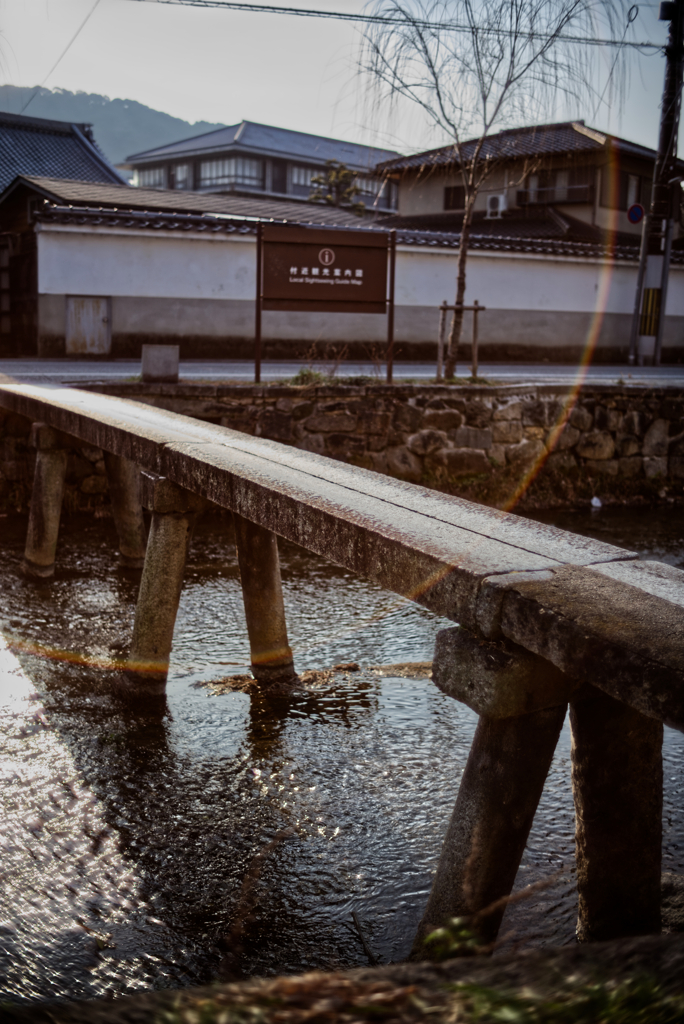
{"x": 323, "y": 271}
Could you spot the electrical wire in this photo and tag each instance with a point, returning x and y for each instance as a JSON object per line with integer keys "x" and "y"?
{"x": 381, "y": 19}
{"x": 62, "y": 54}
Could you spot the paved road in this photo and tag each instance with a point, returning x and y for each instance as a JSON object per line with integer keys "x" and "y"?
{"x": 56, "y": 371}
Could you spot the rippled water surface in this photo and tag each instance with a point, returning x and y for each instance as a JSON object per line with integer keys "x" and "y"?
{"x": 142, "y": 851}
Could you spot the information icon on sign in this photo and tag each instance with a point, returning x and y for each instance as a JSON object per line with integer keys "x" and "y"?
{"x": 326, "y": 257}
{"x": 635, "y": 214}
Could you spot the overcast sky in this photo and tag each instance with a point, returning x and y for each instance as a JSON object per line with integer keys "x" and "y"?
{"x": 224, "y": 66}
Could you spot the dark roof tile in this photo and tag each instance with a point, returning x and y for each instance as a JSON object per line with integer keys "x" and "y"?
{"x": 122, "y": 197}
{"x": 515, "y": 143}
{"x": 270, "y": 141}
{"x": 36, "y": 146}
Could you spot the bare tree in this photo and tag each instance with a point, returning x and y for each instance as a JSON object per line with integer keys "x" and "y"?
{"x": 476, "y": 66}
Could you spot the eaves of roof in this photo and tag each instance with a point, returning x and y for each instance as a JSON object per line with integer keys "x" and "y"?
{"x": 538, "y": 141}
{"x": 212, "y": 225}
{"x": 104, "y": 196}
{"x": 35, "y": 146}
{"x": 250, "y": 137}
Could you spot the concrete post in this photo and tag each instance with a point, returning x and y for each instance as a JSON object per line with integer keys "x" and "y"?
{"x": 497, "y": 799}
{"x": 123, "y": 478}
{"x": 521, "y": 700}
{"x": 257, "y": 551}
{"x": 617, "y": 778}
{"x": 46, "y": 501}
{"x": 174, "y": 511}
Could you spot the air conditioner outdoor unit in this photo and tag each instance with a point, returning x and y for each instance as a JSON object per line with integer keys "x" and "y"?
{"x": 496, "y": 205}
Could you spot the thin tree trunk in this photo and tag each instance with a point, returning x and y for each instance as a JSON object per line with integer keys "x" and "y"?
{"x": 457, "y": 321}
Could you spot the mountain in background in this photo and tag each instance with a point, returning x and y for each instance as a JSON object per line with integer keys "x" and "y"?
{"x": 121, "y": 127}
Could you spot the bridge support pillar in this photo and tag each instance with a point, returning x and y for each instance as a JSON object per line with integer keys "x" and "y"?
{"x": 617, "y": 777}
{"x": 123, "y": 477}
{"x": 257, "y": 550}
{"x": 522, "y": 702}
{"x": 174, "y": 511}
{"x": 46, "y": 501}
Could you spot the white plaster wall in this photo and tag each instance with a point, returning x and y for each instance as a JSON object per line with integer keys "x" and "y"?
{"x": 140, "y": 264}
{"x": 425, "y": 277}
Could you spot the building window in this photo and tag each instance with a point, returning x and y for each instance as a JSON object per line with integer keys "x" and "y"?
{"x": 567, "y": 185}
{"x": 151, "y": 177}
{"x": 454, "y": 197}
{"x": 301, "y": 179}
{"x": 234, "y": 170}
{"x": 181, "y": 176}
{"x": 376, "y": 192}
{"x": 621, "y": 190}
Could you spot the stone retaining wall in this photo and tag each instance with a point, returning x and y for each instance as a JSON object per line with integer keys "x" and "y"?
{"x": 620, "y": 442}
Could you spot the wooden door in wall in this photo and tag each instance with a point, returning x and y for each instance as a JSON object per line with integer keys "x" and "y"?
{"x": 88, "y": 326}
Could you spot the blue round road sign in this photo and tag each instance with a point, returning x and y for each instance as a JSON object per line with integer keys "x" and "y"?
{"x": 635, "y": 214}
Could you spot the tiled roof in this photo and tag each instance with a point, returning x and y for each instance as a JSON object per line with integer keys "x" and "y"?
{"x": 124, "y": 198}
{"x": 538, "y": 230}
{"x": 266, "y": 140}
{"x": 620, "y": 248}
{"x": 515, "y": 143}
{"x": 35, "y": 146}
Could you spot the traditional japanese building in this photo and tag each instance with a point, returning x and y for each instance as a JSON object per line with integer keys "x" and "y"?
{"x": 261, "y": 160}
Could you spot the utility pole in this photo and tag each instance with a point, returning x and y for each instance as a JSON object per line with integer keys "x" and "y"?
{"x": 648, "y": 321}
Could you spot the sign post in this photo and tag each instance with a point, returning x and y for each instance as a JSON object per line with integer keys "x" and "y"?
{"x": 324, "y": 270}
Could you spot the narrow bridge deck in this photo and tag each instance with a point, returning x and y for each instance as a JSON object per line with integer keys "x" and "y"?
{"x": 589, "y": 607}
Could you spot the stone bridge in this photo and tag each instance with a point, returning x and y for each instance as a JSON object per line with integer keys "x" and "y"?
{"x": 546, "y": 620}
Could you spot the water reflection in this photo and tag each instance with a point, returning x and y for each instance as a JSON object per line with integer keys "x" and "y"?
{"x": 129, "y": 836}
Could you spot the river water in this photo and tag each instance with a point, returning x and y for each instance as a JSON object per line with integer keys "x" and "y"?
{"x": 235, "y": 834}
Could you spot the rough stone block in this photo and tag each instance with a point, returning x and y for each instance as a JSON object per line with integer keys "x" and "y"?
{"x": 581, "y": 418}
{"x": 344, "y": 446}
{"x": 275, "y": 425}
{"x": 509, "y": 411}
{"x": 629, "y": 446}
{"x": 676, "y": 466}
{"x": 602, "y": 467}
{"x": 477, "y": 414}
{"x": 525, "y": 453}
{"x": 404, "y": 464}
{"x": 313, "y": 443}
{"x": 634, "y": 422}
{"x": 607, "y": 419}
{"x": 462, "y": 461}
{"x": 407, "y": 417}
{"x": 426, "y": 441}
{"x": 498, "y": 679}
{"x": 630, "y": 465}
{"x": 442, "y": 419}
{"x": 91, "y": 453}
{"x": 160, "y": 363}
{"x": 538, "y": 413}
{"x": 507, "y": 431}
{"x": 497, "y": 454}
{"x": 302, "y": 409}
{"x": 329, "y": 422}
{"x": 655, "y": 466}
{"x": 371, "y": 422}
{"x": 94, "y": 485}
{"x": 655, "y": 441}
{"x": 471, "y": 437}
{"x": 596, "y": 445}
{"x": 568, "y": 438}
{"x": 534, "y": 433}
{"x": 561, "y": 462}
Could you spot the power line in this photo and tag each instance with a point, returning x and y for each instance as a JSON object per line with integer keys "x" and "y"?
{"x": 62, "y": 54}
{"x": 381, "y": 19}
